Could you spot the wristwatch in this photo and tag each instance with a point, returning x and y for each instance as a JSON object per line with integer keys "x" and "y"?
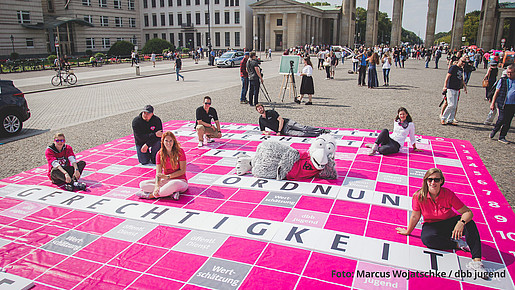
{"x": 463, "y": 221}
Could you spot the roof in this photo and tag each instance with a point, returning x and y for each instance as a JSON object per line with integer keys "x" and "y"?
{"x": 507, "y": 5}
{"x": 54, "y": 21}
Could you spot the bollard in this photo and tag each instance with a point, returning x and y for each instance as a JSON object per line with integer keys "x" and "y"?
{"x": 137, "y": 70}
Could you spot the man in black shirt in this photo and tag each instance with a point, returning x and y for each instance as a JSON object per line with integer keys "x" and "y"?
{"x": 452, "y": 86}
{"x": 282, "y": 126}
{"x": 204, "y": 114}
{"x": 148, "y": 130}
{"x": 255, "y": 77}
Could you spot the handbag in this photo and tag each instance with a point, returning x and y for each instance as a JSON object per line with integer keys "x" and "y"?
{"x": 485, "y": 83}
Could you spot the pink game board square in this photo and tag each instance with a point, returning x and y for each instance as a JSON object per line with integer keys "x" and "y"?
{"x": 349, "y": 208}
{"x": 35, "y": 239}
{"x": 394, "y": 161}
{"x": 89, "y": 158}
{"x": 240, "y": 250}
{"x": 35, "y": 264}
{"x": 189, "y": 175}
{"x": 129, "y": 161}
{"x": 365, "y": 165}
{"x": 135, "y": 182}
{"x": 148, "y": 175}
{"x": 415, "y": 240}
{"x": 337, "y": 182}
{"x": 272, "y": 213}
{"x": 236, "y": 208}
{"x": 306, "y": 283}
{"x": 438, "y": 148}
{"x": 207, "y": 160}
{"x": 247, "y": 195}
{"x": 478, "y": 216}
{"x": 163, "y": 236}
{"x": 468, "y": 286}
{"x": 392, "y": 188}
{"x": 357, "y": 138}
{"x": 421, "y": 165}
{"x": 260, "y": 278}
{"x": 364, "y": 174}
{"x": 124, "y": 154}
{"x": 6, "y": 220}
{"x": 168, "y": 265}
{"x": 436, "y": 283}
{"x": 112, "y": 159}
{"x": 69, "y": 273}
{"x": 36, "y": 179}
{"x": 102, "y": 249}
{"x": 97, "y": 177}
{"x": 147, "y": 282}
{"x": 451, "y": 169}
{"x": 320, "y": 266}
{"x": 347, "y": 149}
{"x": 417, "y": 182}
{"x": 99, "y": 225}
{"x": 138, "y": 257}
{"x": 219, "y": 192}
{"x": 384, "y": 231}
{"x": 283, "y": 258}
{"x": 346, "y": 164}
{"x": 367, "y": 158}
{"x": 12, "y": 252}
{"x": 6, "y": 203}
{"x": 123, "y": 146}
{"x": 229, "y": 146}
{"x": 138, "y": 171}
{"x": 469, "y": 200}
{"x": 47, "y": 214}
{"x": 248, "y": 148}
{"x": 459, "y": 188}
{"x": 72, "y": 219}
{"x": 109, "y": 278}
{"x": 394, "y": 169}
{"x": 95, "y": 166}
{"x": 118, "y": 180}
{"x": 10, "y": 232}
{"x": 484, "y": 232}
{"x": 99, "y": 189}
{"x": 192, "y": 167}
{"x": 346, "y": 224}
{"x": 315, "y": 204}
{"x": 300, "y": 146}
{"x": 446, "y": 155}
{"x": 195, "y": 189}
{"x": 205, "y": 204}
{"x": 390, "y": 215}
{"x": 419, "y": 157}
{"x": 220, "y": 170}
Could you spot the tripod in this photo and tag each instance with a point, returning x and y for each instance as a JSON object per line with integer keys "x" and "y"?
{"x": 292, "y": 76}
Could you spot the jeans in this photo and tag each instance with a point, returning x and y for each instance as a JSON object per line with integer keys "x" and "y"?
{"x": 427, "y": 63}
{"x": 177, "y": 70}
{"x": 254, "y": 92}
{"x": 466, "y": 76}
{"x": 452, "y": 102}
{"x": 436, "y": 62}
{"x": 386, "y": 75}
{"x": 397, "y": 61}
{"x": 58, "y": 177}
{"x": 327, "y": 72}
{"x": 504, "y": 120}
{"x": 244, "y": 88}
{"x": 149, "y": 156}
{"x": 355, "y": 66}
{"x": 362, "y": 74}
{"x": 388, "y": 145}
{"x": 292, "y": 128}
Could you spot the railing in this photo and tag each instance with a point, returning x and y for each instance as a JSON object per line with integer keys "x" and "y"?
{"x": 187, "y": 25}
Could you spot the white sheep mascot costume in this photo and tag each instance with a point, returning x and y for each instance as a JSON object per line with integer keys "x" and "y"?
{"x": 279, "y": 161}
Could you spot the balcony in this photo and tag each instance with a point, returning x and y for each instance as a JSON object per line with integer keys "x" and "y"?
{"x": 187, "y": 26}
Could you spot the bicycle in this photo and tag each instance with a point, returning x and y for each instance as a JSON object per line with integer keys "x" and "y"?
{"x": 66, "y": 76}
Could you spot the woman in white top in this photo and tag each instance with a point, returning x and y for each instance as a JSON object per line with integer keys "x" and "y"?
{"x": 387, "y": 64}
{"x": 306, "y": 86}
{"x": 390, "y": 144}
{"x": 153, "y": 59}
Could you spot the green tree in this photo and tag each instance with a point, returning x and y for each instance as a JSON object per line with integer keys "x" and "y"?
{"x": 156, "y": 45}
{"x": 318, "y": 4}
{"x": 410, "y": 36}
{"x": 470, "y": 27}
{"x": 384, "y": 28}
{"x": 361, "y": 23}
{"x": 121, "y": 48}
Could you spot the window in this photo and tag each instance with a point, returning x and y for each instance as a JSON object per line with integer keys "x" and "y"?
{"x": 88, "y": 18}
{"x": 188, "y": 2}
{"x": 179, "y": 19}
{"x": 226, "y": 3}
{"x": 154, "y": 20}
{"x": 119, "y": 39}
{"x": 23, "y": 17}
{"x": 197, "y": 2}
{"x": 180, "y": 39}
{"x": 237, "y": 38}
{"x": 206, "y": 2}
{"x": 102, "y": 3}
{"x": 170, "y": 3}
{"x": 147, "y": 37}
{"x": 279, "y": 22}
{"x": 29, "y": 42}
{"x": 86, "y": 2}
{"x": 179, "y": 2}
{"x": 217, "y": 17}
{"x": 145, "y": 20}
{"x": 163, "y": 19}
{"x": 199, "y": 39}
{"x": 236, "y": 2}
{"x": 153, "y": 3}
{"x": 217, "y": 38}
{"x": 106, "y": 42}
{"x": 50, "y": 6}
{"x": 172, "y": 39}
{"x": 170, "y": 19}
{"x": 227, "y": 17}
{"x": 118, "y": 22}
{"x": 197, "y": 18}
{"x": 155, "y": 35}
{"x": 188, "y": 19}
{"x": 217, "y": 1}
{"x": 236, "y": 17}
{"x": 145, "y": 4}
{"x": 132, "y": 22}
{"x": 227, "y": 39}
{"x": 161, "y": 3}
{"x": 134, "y": 40}
{"x": 130, "y": 5}
{"x": 104, "y": 21}
{"x": 117, "y": 4}
{"x": 163, "y": 36}
{"x": 206, "y": 18}
{"x": 90, "y": 43}
{"x": 232, "y": 3}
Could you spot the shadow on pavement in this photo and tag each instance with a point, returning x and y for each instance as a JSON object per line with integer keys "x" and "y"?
{"x": 25, "y": 133}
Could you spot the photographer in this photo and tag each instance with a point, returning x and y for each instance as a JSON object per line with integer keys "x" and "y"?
{"x": 255, "y": 76}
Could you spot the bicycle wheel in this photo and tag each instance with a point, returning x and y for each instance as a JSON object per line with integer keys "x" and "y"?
{"x": 56, "y": 80}
{"x": 71, "y": 79}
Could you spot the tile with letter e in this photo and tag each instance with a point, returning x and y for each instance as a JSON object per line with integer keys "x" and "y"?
{"x": 220, "y": 274}
{"x": 282, "y": 199}
{"x": 200, "y": 243}
{"x": 70, "y": 242}
{"x": 130, "y": 231}
{"x": 10, "y": 281}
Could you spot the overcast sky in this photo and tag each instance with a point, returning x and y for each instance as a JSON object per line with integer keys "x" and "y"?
{"x": 415, "y": 12}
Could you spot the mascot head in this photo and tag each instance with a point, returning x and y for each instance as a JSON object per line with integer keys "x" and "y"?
{"x": 321, "y": 150}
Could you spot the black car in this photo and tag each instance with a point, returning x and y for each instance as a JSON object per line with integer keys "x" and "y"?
{"x": 13, "y": 109}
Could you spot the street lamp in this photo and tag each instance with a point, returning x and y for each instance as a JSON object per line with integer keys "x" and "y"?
{"x": 12, "y": 41}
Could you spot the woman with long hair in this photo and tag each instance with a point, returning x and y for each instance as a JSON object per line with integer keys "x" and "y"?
{"x": 373, "y": 61}
{"x": 306, "y": 86}
{"x": 390, "y": 144}
{"x": 170, "y": 171}
{"x": 387, "y": 64}
{"x": 443, "y": 229}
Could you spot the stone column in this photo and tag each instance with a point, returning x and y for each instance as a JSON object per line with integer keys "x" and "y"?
{"x": 486, "y": 29}
{"x": 262, "y": 32}
{"x": 255, "y": 30}
{"x": 499, "y": 33}
{"x": 457, "y": 23}
{"x": 346, "y": 19}
{"x": 304, "y": 33}
{"x": 371, "y": 34}
{"x": 320, "y": 37}
{"x": 432, "y": 9}
{"x": 396, "y": 22}
{"x": 298, "y": 30}
{"x": 314, "y": 32}
{"x": 335, "y": 31}
{"x": 285, "y": 30}
{"x": 267, "y": 31}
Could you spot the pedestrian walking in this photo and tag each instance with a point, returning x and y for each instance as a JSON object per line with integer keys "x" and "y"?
{"x": 362, "y": 68}
{"x": 504, "y": 99}
{"x": 153, "y": 59}
{"x": 387, "y": 64}
{"x": 373, "y": 61}
{"x": 178, "y": 66}
{"x": 452, "y": 86}
{"x": 306, "y": 85}
{"x": 244, "y": 79}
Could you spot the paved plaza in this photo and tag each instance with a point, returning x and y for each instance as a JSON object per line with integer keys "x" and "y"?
{"x": 101, "y": 106}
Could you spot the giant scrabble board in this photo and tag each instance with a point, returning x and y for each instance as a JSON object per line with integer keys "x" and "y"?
{"x": 241, "y": 232}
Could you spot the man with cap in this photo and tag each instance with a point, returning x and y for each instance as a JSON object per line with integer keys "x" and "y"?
{"x": 244, "y": 79}
{"x": 148, "y": 130}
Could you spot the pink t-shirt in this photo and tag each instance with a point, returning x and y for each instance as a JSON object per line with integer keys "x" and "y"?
{"x": 440, "y": 209}
{"x": 62, "y": 157}
{"x": 167, "y": 168}
{"x": 303, "y": 168}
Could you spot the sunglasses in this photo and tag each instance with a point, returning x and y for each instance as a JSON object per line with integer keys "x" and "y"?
{"x": 207, "y": 103}
{"x": 59, "y": 140}
{"x": 434, "y": 179}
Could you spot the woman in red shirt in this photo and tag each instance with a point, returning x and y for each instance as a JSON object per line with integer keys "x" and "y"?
{"x": 170, "y": 171}
{"x": 443, "y": 229}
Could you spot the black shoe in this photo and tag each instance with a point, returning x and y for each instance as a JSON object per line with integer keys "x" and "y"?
{"x": 309, "y": 103}
{"x": 297, "y": 101}
{"x": 492, "y": 134}
{"x": 69, "y": 187}
{"x": 80, "y": 186}
{"x": 326, "y": 131}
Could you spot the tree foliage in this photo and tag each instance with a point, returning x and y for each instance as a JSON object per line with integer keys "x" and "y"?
{"x": 318, "y": 3}
{"x": 122, "y": 48}
{"x": 410, "y": 36}
{"x": 156, "y": 45}
{"x": 470, "y": 27}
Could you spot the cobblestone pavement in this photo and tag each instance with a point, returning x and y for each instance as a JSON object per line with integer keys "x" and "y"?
{"x": 106, "y": 110}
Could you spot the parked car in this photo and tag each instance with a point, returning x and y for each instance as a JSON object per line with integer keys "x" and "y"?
{"x": 13, "y": 109}
{"x": 229, "y": 59}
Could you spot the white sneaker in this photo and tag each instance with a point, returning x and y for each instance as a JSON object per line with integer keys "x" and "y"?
{"x": 176, "y": 195}
{"x": 209, "y": 140}
{"x": 200, "y": 144}
{"x": 480, "y": 268}
{"x": 372, "y": 152}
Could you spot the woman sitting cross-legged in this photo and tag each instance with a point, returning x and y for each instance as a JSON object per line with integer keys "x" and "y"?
{"x": 170, "y": 171}
{"x": 390, "y": 144}
{"x": 443, "y": 229}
